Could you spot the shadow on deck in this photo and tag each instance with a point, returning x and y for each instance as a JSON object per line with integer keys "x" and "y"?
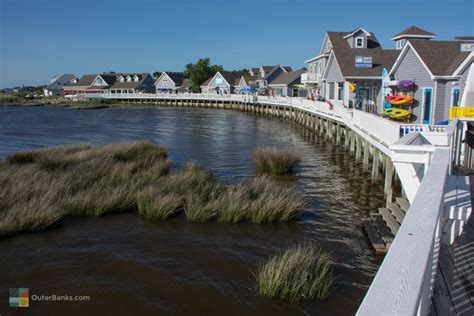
{"x": 454, "y": 288}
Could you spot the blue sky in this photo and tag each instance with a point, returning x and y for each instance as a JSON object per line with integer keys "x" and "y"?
{"x": 41, "y": 38}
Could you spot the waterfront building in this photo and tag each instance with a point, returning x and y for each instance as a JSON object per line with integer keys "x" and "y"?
{"x": 288, "y": 84}
{"x": 223, "y": 82}
{"x": 172, "y": 82}
{"x": 439, "y": 70}
{"x": 348, "y": 69}
{"x": 56, "y": 86}
{"x": 111, "y": 82}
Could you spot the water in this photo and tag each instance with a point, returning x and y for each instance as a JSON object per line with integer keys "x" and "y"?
{"x": 131, "y": 266}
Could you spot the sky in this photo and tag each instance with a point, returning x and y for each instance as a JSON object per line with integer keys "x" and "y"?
{"x": 42, "y": 38}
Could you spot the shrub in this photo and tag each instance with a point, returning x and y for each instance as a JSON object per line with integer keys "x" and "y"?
{"x": 274, "y": 161}
{"x": 300, "y": 272}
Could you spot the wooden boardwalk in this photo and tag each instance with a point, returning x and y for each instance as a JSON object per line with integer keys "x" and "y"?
{"x": 454, "y": 289}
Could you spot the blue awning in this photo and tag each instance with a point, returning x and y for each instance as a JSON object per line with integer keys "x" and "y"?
{"x": 248, "y": 90}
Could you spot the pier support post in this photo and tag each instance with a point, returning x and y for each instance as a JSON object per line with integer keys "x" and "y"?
{"x": 388, "y": 190}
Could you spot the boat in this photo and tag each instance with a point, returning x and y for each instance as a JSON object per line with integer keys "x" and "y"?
{"x": 399, "y": 99}
{"x": 395, "y": 113}
{"x": 405, "y": 83}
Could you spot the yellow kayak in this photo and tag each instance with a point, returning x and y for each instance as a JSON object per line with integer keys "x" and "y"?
{"x": 396, "y": 113}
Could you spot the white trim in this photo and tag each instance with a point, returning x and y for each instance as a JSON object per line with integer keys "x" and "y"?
{"x": 402, "y": 55}
{"x": 324, "y": 75}
{"x": 357, "y": 30}
{"x": 162, "y": 74}
{"x": 316, "y": 58}
{"x": 218, "y": 73}
{"x": 92, "y": 84}
{"x": 411, "y": 36}
{"x": 464, "y": 64}
{"x": 355, "y": 43}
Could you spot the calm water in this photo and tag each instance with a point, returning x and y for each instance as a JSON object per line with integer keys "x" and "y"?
{"x": 133, "y": 267}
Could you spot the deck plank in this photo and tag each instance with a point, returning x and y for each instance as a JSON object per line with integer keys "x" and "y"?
{"x": 382, "y": 228}
{"x": 403, "y": 202}
{"x": 396, "y": 211}
{"x": 390, "y": 220}
{"x": 374, "y": 237}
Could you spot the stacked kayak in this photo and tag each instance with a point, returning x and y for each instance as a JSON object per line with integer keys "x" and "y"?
{"x": 399, "y": 99}
{"x": 394, "y": 113}
{"x": 401, "y": 84}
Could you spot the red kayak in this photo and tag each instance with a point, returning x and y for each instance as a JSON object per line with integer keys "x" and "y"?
{"x": 399, "y": 99}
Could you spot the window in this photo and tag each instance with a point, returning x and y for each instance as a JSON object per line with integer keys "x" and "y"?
{"x": 426, "y": 106}
{"x": 331, "y": 90}
{"x": 121, "y": 79}
{"x": 455, "y": 97}
{"x": 129, "y": 79}
{"x": 340, "y": 91}
{"x": 359, "y": 43}
{"x": 135, "y": 79}
{"x": 328, "y": 47}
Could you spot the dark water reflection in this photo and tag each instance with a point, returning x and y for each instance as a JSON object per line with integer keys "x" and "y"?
{"x": 130, "y": 266}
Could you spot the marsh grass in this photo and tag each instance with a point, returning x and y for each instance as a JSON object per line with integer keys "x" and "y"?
{"x": 155, "y": 206}
{"x": 302, "y": 272}
{"x": 274, "y": 161}
{"x": 39, "y": 187}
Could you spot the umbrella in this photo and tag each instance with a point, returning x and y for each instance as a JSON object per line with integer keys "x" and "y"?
{"x": 248, "y": 90}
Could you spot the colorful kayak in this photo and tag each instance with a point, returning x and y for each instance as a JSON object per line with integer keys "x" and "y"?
{"x": 400, "y": 84}
{"x": 397, "y": 113}
{"x": 399, "y": 99}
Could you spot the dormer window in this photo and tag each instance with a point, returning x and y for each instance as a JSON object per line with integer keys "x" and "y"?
{"x": 121, "y": 79}
{"x": 129, "y": 79}
{"x": 359, "y": 42}
{"x": 135, "y": 78}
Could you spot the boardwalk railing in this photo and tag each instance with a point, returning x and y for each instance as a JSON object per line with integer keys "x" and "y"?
{"x": 379, "y": 131}
{"x": 404, "y": 282}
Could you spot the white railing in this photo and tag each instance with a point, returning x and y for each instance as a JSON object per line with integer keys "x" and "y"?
{"x": 379, "y": 131}
{"x": 382, "y": 130}
{"x": 404, "y": 282}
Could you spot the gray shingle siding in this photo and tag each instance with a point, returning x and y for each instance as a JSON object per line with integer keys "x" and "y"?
{"x": 164, "y": 85}
{"x": 441, "y": 111}
{"x": 411, "y": 68}
{"x": 334, "y": 73}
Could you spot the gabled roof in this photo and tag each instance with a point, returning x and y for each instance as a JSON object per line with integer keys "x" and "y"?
{"x": 85, "y": 81}
{"x": 413, "y": 31}
{"x": 356, "y": 31}
{"x": 177, "y": 77}
{"x": 129, "y": 85}
{"x": 250, "y": 80}
{"x": 345, "y": 56}
{"x": 288, "y": 78}
{"x": 231, "y": 78}
{"x": 442, "y": 58}
{"x": 61, "y": 81}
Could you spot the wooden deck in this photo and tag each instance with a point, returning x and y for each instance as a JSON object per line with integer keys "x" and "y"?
{"x": 454, "y": 289}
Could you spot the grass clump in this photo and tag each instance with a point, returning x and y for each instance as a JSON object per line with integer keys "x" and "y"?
{"x": 274, "y": 161}
{"x": 153, "y": 206}
{"x": 23, "y": 157}
{"x": 40, "y": 187}
{"x": 302, "y": 272}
